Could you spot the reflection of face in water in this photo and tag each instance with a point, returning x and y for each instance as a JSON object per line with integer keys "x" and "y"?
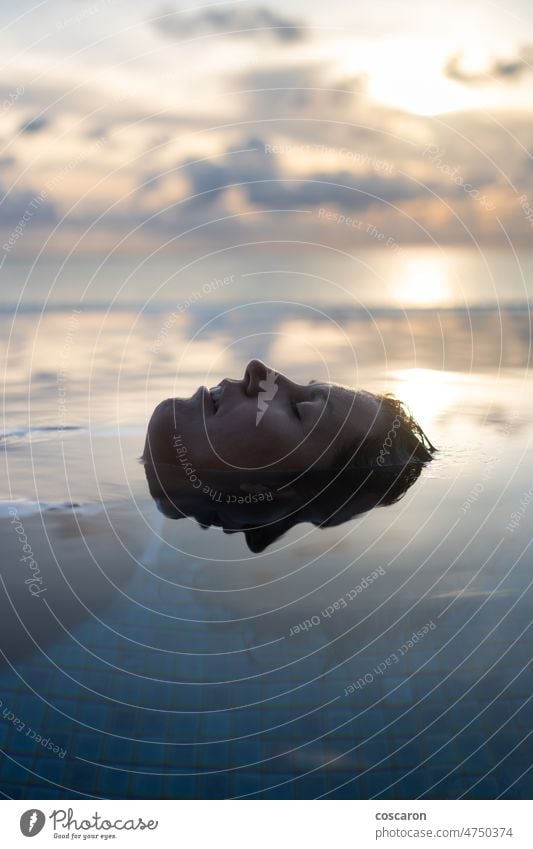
{"x": 266, "y": 421}
{"x": 264, "y": 505}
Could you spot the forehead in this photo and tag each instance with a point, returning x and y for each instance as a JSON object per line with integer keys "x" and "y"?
{"x": 342, "y": 398}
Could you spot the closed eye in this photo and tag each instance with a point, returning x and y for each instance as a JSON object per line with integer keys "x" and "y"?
{"x": 303, "y": 408}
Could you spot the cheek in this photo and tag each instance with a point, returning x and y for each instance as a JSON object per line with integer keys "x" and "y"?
{"x": 314, "y": 448}
{"x": 322, "y": 447}
{"x": 241, "y": 439}
{"x": 278, "y": 427}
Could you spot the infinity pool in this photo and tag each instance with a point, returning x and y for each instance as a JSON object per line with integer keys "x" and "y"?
{"x": 155, "y": 659}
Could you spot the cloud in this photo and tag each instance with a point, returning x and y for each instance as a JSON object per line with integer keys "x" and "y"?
{"x": 341, "y": 189}
{"x": 210, "y": 179}
{"x": 306, "y": 89}
{"x": 264, "y": 184}
{"x": 24, "y": 215}
{"x": 7, "y": 162}
{"x": 251, "y": 22}
{"x": 318, "y": 141}
{"x": 499, "y": 70}
{"x": 254, "y": 187}
{"x": 35, "y": 125}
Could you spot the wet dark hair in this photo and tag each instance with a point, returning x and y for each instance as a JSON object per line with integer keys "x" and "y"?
{"x": 402, "y": 443}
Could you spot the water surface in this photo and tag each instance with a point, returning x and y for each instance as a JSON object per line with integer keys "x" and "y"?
{"x": 163, "y": 660}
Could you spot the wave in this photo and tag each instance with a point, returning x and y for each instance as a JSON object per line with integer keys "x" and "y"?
{"x": 26, "y": 435}
{"x": 23, "y": 508}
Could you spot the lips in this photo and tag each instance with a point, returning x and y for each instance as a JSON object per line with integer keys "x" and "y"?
{"x": 216, "y": 393}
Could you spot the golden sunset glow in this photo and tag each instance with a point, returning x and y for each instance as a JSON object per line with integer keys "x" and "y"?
{"x": 422, "y": 282}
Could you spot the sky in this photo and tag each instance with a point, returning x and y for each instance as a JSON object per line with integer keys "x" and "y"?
{"x": 153, "y": 126}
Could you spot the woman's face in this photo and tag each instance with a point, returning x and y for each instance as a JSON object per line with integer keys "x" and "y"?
{"x": 264, "y": 421}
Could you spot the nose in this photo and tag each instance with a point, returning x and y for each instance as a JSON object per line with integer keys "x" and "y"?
{"x": 255, "y": 374}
